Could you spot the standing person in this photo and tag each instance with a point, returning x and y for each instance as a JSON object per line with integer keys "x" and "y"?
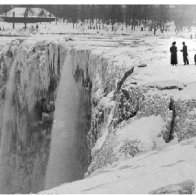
{"x": 195, "y": 59}
{"x": 185, "y": 54}
{"x": 173, "y": 50}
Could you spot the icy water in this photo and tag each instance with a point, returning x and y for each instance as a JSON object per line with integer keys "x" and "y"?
{"x": 6, "y": 134}
{"x": 68, "y": 154}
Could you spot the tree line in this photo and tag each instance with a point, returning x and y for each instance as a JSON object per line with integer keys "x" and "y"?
{"x": 153, "y": 16}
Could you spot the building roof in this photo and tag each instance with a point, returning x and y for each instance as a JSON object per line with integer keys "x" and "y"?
{"x": 28, "y": 12}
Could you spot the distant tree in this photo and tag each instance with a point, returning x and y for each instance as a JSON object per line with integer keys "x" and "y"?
{"x": 42, "y": 13}
{"x": 156, "y": 16}
{"x": 83, "y": 12}
{"x": 159, "y": 18}
{"x": 100, "y": 15}
{"x": 183, "y": 16}
{"x": 5, "y": 8}
{"x": 128, "y": 10}
{"x": 134, "y": 13}
{"x": 115, "y": 14}
{"x": 74, "y": 13}
{"x": 91, "y": 14}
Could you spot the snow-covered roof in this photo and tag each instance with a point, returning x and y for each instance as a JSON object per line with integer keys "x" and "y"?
{"x": 29, "y": 12}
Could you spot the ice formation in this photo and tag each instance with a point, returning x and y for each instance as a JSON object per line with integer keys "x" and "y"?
{"x": 71, "y": 110}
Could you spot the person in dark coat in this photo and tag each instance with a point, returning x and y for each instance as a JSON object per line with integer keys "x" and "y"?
{"x": 185, "y": 54}
{"x": 195, "y": 59}
{"x": 173, "y": 50}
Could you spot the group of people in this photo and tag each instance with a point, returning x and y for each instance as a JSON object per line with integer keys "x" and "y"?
{"x": 174, "y": 59}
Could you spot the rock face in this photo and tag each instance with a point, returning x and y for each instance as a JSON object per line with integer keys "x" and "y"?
{"x": 30, "y": 76}
{"x": 137, "y": 102}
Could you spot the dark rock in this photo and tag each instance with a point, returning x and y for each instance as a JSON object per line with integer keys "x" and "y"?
{"x": 167, "y": 85}
{"x": 125, "y": 76}
{"x": 142, "y": 65}
{"x": 186, "y": 187}
{"x": 47, "y": 117}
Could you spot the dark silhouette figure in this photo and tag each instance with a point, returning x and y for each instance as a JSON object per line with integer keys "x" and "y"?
{"x": 173, "y": 50}
{"x": 185, "y": 54}
{"x": 195, "y": 59}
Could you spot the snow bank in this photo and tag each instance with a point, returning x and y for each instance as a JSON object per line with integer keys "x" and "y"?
{"x": 146, "y": 130}
{"x": 143, "y": 174}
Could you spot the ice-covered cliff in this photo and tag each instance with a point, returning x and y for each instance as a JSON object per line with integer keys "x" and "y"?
{"x": 69, "y": 108}
{"x": 29, "y": 78}
{"x": 45, "y": 86}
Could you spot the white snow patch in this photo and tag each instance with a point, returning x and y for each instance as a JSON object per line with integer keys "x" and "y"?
{"x": 104, "y": 132}
{"x": 100, "y": 141}
{"x": 108, "y": 102}
{"x": 146, "y": 130}
{"x": 189, "y": 92}
{"x": 193, "y": 112}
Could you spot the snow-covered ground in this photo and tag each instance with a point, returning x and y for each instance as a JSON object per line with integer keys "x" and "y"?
{"x": 159, "y": 164}
{"x": 174, "y": 164}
